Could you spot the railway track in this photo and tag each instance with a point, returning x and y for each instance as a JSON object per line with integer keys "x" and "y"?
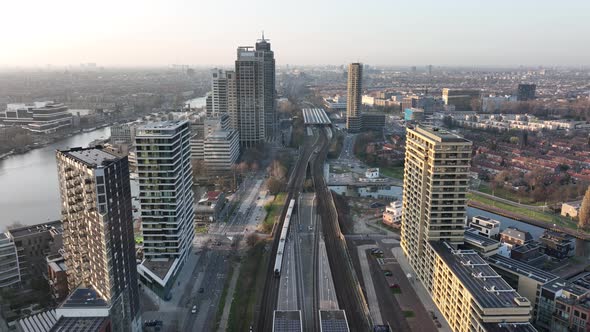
{"x": 268, "y": 302}
{"x": 348, "y": 289}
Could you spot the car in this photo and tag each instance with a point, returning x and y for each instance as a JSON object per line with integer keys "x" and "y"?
{"x": 194, "y": 309}
{"x": 201, "y": 290}
{"x": 393, "y": 286}
{"x": 387, "y": 273}
{"x": 310, "y": 228}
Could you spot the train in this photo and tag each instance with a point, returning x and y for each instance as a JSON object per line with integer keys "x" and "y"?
{"x": 283, "y": 239}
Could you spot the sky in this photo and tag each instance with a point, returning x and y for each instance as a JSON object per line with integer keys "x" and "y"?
{"x": 302, "y": 32}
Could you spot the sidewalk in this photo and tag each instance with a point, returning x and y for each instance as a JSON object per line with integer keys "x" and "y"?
{"x": 419, "y": 288}
{"x": 368, "y": 282}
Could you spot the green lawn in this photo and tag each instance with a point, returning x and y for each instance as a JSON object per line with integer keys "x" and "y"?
{"x": 409, "y": 313}
{"x": 274, "y": 212}
{"x": 396, "y": 290}
{"x": 393, "y": 172}
{"x": 507, "y": 194}
{"x": 537, "y": 215}
{"x": 201, "y": 229}
{"x": 250, "y": 285}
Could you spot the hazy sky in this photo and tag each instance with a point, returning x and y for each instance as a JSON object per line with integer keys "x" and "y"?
{"x": 385, "y": 32}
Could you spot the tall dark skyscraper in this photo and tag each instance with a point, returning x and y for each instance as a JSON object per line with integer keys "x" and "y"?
{"x": 526, "y": 92}
{"x": 267, "y": 59}
{"x": 98, "y": 238}
{"x": 255, "y": 93}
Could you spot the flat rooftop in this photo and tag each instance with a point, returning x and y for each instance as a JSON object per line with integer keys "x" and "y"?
{"x": 80, "y": 324}
{"x": 475, "y": 238}
{"x": 314, "y": 116}
{"x": 333, "y": 321}
{"x": 287, "y": 321}
{"x": 39, "y": 228}
{"x": 440, "y": 135}
{"x": 509, "y": 327}
{"x": 91, "y": 156}
{"x": 171, "y": 124}
{"x": 477, "y": 276}
{"x": 84, "y": 297}
{"x": 159, "y": 268}
{"x": 521, "y": 268}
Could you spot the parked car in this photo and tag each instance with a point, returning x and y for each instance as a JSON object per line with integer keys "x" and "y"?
{"x": 387, "y": 273}
{"x": 201, "y": 290}
{"x": 194, "y": 310}
{"x": 393, "y": 286}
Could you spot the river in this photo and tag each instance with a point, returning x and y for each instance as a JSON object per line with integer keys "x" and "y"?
{"x": 29, "y": 190}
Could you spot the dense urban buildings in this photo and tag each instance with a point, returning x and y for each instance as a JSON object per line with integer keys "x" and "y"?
{"x": 122, "y": 134}
{"x": 42, "y": 117}
{"x": 354, "y": 97}
{"x": 468, "y": 292}
{"x": 98, "y": 240}
{"x": 166, "y": 200}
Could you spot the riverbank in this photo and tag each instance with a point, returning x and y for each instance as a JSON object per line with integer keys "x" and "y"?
{"x": 528, "y": 220}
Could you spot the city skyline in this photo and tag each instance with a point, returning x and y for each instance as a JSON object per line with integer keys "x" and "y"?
{"x": 444, "y": 34}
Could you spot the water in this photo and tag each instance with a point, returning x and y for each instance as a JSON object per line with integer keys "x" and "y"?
{"x": 535, "y": 231}
{"x": 29, "y": 190}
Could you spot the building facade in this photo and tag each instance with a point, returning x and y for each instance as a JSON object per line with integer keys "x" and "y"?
{"x": 122, "y": 134}
{"x": 462, "y": 99}
{"x": 526, "y": 92}
{"x": 250, "y": 95}
{"x": 216, "y": 144}
{"x": 97, "y": 221}
{"x": 354, "y": 98}
{"x": 166, "y": 200}
{"x": 486, "y": 226}
{"x": 42, "y": 117}
{"x": 9, "y": 266}
{"x": 267, "y": 63}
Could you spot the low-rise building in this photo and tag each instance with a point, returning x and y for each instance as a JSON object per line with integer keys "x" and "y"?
{"x": 530, "y": 253}
{"x": 571, "y": 209}
{"x": 513, "y": 236}
{"x": 549, "y": 295}
{"x": 392, "y": 215}
{"x": 485, "y": 226}
{"x": 484, "y": 245}
{"x": 372, "y": 173}
{"x": 57, "y": 277}
{"x": 209, "y": 206}
{"x": 558, "y": 244}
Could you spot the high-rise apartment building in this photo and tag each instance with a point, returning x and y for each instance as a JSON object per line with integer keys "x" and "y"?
{"x": 98, "y": 239}
{"x": 354, "y": 99}
{"x": 224, "y": 96}
{"x": 9, "y": 266}
{"x": 166, "y": 200}
{"x": 436, "y": 176}
{"x": 468, "y": 292}
{"x": 526, "y": 92}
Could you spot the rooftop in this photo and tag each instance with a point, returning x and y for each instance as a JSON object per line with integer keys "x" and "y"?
{"x": 172, "y": 124}
{"x": 440, "y": 135}
{"x": 287, "y": 321}
{"x": 39, "y": 228}
{"x": 84, "y": 297}
{"x": 484, "y": 284}
{"x": 517, "y": 234}
{"x": 526, "y": 247}
{"x": 159, "y": 268}
{"x": 80, "y": 324}
{"x": 315, "y": 116}
{"x": 474, "y": 238}
{"x": 509, "y": 327}
{"x": 560, "y": 284}
{"x": 521, "y": 268}
{"x": 333, "y": 321}
{"x": 93, "y": 157}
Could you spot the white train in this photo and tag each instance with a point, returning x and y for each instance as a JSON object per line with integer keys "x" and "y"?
{"x": 283, "y": 239}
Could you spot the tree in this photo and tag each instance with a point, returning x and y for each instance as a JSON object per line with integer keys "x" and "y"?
{"x": 584, "y": 215}
{"x": 274, "y": 185}
{"x": 252, "y": 239}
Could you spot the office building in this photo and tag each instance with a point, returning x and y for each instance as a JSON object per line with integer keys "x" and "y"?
{"x": 41, "y": 117}
{"x": 34, "y": 243}
{"x": 166, "y": 201}
{"x": 122, "y": 134}
{"x": 462, "y": 99}
{"x": 414, "y": 114}
{"x": 267, "y": 62}
{"x": 468, "y": 292}
{"x": 354, "y": 98}
{"x": 215, "y": 143}
{"x": 98, "y": 239}
{"x": 9, "y": 267}
{"x": 372, "y": 121}
{"x": 255, "y": 93}
{"x": 526, "y": 92}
